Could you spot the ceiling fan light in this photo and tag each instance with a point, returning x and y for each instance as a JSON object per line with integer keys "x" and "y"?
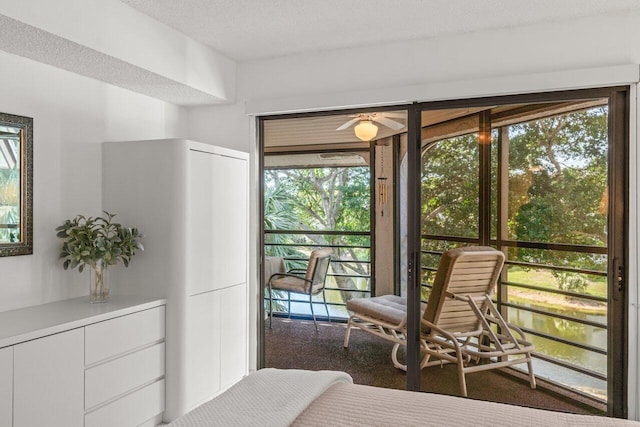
{"x": 366, "y": 130}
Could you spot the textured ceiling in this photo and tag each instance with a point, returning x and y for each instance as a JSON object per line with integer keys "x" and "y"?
{"x": 254, "y": 29}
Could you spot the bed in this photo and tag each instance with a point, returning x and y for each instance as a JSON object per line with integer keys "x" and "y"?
{"x": 275, "y": 397}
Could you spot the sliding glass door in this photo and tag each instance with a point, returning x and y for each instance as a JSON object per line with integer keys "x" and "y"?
{"x": 542, "y": 178}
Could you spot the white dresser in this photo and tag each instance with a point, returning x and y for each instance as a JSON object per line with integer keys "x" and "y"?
{"x": 71, "y": 363}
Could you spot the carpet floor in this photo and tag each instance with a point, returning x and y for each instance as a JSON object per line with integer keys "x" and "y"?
{"x": 294, "y": 344}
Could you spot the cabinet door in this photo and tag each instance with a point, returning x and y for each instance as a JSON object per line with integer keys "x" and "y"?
{"x": 217, "y": 221}
{"x": 49, "y": 381}
{"x": 233, "y": 334}
{"x": 6, "y": 386}
{"x": 200, "y": 227}
{"x": 230, "y": 221}
{"x": 203, "y": 348}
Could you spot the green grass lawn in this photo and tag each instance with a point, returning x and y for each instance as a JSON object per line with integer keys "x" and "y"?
{"x": 597, "y": 286}
{"x": 566, "y": 305}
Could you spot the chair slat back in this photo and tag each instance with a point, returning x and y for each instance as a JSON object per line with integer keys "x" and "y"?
{"x": 317, "y": 268}
{"x": 470, "y": 272}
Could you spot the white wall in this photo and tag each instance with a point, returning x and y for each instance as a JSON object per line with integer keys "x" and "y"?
{"x": 71, "y": 116}
{"x": 351, "y": 77}
{"x": 119, "y": 31}
{"x": 225, "y": 126}
{"x": 463, "y": 66}
{"x": 586, "y": 43}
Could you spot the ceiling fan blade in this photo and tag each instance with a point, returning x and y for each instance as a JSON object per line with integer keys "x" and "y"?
{"x": 349, "y": 123}
{"x": 388, "y": 122}
{"x": 395, "y": 115}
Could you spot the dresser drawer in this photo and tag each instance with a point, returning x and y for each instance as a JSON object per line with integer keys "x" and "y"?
{"x": 117, "y": 377}
{"x": 131, "y": 410}
{"x": 122, "y": 334}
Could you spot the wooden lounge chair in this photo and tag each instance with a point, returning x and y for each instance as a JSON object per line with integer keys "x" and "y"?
{"x": 310, "y": 282}
{"x": 459, "y": 322}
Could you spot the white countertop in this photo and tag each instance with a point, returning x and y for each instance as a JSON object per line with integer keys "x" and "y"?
{"x": 38, "y": 321}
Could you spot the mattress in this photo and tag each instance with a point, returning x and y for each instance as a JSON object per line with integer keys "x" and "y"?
{"x": 282, "y": 397}
{"x": 360, "y": 405}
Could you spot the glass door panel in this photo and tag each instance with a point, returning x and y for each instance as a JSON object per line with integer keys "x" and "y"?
{"x": 555, "y": 286}
{"x": 450, "y": 200}
{"x": 546, "y": 189}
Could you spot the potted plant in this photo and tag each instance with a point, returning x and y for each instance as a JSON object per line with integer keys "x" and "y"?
{"x": 97, "y": 242}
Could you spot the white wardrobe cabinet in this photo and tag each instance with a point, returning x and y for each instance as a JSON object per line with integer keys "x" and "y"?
{"x": 190, "y": 200}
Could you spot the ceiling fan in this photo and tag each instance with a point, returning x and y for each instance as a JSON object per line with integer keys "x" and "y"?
{"x": 366, "y": 129}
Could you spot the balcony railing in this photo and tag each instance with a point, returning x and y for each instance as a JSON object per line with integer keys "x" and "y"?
{"x": 349, "y": 274}
{"x": 568, "y": 328}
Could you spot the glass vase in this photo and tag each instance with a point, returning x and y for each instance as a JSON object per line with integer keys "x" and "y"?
{"x": 99, "y": 283}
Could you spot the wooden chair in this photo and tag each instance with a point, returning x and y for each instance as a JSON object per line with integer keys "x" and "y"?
{"x": 310, "y": 282}
{"x": 459, "y": 322}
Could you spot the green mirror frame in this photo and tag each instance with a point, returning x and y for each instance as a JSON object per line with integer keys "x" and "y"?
{"x": 16, "y": 185}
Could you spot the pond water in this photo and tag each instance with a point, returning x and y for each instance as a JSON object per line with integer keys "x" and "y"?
{"x": 573, "y": 331}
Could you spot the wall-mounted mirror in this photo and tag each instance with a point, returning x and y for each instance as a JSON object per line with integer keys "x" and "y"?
{"x": 16, "y": 182}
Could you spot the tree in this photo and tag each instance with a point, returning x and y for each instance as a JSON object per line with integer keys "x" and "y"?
{"x": 279, "y": 215}
{"x": 564, "y": 159}
{"x": 330, "y": 199}
{"x": 557, "y": 189}
{"x": 450, "y": 187}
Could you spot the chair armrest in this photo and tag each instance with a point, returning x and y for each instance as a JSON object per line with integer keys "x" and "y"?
{"x": 288, "y": 275}
{"x": 297, "y": 271}
{"x": 441, "y": 332}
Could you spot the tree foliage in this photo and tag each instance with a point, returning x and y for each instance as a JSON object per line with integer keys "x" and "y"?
{"x": 316, "y": 199}
{"x": 450, "y": 187}
{"x": 564, "y": 158}
{"x": 557, "y": 193}
{"x": 557, "y": 189}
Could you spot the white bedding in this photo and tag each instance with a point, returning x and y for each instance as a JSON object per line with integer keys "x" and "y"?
{"x": 359, "y": 405}
{"x": 273, "y": 397}
{"x": 268, "y": 397}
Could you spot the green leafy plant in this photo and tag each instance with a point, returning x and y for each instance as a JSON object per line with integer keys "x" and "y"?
{"x": 88, "y": 240}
